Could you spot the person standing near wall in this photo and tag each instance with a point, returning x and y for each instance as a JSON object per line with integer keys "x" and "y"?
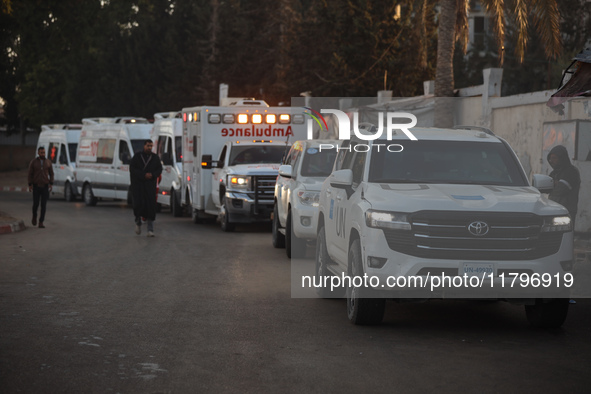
{"x": 144, "y": 170}
{"x": 567, "y": 181}
{"x": 40, "y": 179}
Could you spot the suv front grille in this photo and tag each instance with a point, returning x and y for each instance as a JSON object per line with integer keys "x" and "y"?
{"x": 445, "y": 235}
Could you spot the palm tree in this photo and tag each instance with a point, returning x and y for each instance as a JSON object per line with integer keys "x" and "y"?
{"x": 453, "y": 26}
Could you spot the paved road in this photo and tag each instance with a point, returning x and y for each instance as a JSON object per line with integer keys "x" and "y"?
{"x": 88, "y": 306}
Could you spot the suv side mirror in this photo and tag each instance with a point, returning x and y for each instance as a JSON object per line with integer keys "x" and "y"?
{"x": 285, "y": 171}
{"x": 543, "y": 183}
{"x": 341, "y": 179}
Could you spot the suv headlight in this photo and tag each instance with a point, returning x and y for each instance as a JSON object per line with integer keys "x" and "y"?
{"x": 238, "y": 182}
{"x": 557, "y": 223}
{"x": 389, "y": 220}
{"x": 309, "y": 198}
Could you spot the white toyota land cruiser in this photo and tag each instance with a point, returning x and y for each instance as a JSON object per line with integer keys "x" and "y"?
{"x": 451, "y": 215}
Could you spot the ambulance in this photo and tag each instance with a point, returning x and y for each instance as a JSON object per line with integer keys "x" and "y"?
{"x": 231, "y": 157}
{"x": 167, "y": 135}
{"x": 61, "y": 143}
{"x": 106, "y": 148}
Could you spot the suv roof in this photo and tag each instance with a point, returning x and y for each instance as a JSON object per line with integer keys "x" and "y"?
{"x": 432, "y": 133}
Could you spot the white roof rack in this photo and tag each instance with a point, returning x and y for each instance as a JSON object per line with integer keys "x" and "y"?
{"x": 119, "y": 119}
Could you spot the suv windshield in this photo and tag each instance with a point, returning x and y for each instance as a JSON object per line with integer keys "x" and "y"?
{"x": 461, "y": 162}
{"x": 318, "y": 163}
{"x": 263, "y": 154}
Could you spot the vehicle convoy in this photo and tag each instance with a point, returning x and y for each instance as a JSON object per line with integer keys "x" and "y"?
{"x": 297, "y": 192}
{"x": 106, "y": 148}
{"x": 455, "y": 206}
{"x": 61, "y": 143}
{"x": 231, "y": 156}
{"x": 167, "y": 135}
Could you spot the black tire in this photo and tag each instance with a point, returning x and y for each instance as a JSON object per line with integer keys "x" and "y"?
{"x": 547, "y": 313}
{"x": 323, "y": 260}
{"x": 195, "y": 216}
{"x": 175, "y": 204}
{"x": 294, "y": 246}
{"x": 361, "y": 311}
{"x": 88, "y": 196}
{"x": 278, "y": 238}
{"x": 225, "y": 219}
{"x": 69, "y": 195}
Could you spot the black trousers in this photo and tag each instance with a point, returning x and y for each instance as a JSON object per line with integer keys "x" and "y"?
{"x": 40, "y": 194}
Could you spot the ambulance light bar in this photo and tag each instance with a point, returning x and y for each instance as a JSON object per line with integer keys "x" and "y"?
{"x": 257, "y": 118}
{"x": 298, "y": 119}
{"x": 214, "y": 118}
{"x": 245, "y": 118}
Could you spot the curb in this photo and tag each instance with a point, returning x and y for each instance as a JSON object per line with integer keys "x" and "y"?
{"x": 12, "y": 227}
{"x": 14, "y": 189}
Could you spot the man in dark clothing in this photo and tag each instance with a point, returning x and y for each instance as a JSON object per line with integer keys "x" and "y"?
{"x": 144, "y": 170}
{"x": 567, "y": 181}
{"x": 40, "y": 178}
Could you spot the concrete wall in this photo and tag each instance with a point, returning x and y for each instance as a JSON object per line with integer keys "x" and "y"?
{"x": 521, "y": 120}
{"x": 15, "y": 157}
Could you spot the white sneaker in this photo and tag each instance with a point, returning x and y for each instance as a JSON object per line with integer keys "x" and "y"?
{"x": 150, "y": 234}
{"x": 138, "y": 229}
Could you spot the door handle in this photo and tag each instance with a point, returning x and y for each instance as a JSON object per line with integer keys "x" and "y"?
{"x": 339, "y": 198}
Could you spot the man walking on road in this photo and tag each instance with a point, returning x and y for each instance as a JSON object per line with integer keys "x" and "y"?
{"x": 567, "y": 181}
{"x": 144, "y": 170}
{"x": 40, "y": 180}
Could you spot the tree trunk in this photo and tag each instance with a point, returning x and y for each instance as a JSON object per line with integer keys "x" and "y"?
{"x": 444, "y": 74}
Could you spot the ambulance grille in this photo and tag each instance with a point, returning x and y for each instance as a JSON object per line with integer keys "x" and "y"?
{"x": 264, "y": 188}
{"x": 445, "y": 235}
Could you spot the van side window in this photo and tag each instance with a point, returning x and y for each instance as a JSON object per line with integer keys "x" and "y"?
{"x": 169, "y": 147}
{"x": 106, "y": 150}
{"x": 160, "y": 146}
{"x": 178, "y": 145}
{"x": 52, "y": 152}
{"x": 124, "y": 153}
{"x": 63, "y": 155}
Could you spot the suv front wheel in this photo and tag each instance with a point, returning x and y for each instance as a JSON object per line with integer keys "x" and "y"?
{"x": 547, "y": 313}
{"x": 278, "y": 238}
{"x": 361, "y": 311}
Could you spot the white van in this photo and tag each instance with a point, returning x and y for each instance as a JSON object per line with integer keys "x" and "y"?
{"x": 61, "y": 144}
{"x": 104, "y": 153}
{"x": 167, "y": 135}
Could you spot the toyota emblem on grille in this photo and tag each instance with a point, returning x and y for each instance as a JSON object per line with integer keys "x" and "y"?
{"x": 478, "y": 228}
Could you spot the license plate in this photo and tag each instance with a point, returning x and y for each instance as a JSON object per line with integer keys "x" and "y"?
{"x": 478, "y": 269}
